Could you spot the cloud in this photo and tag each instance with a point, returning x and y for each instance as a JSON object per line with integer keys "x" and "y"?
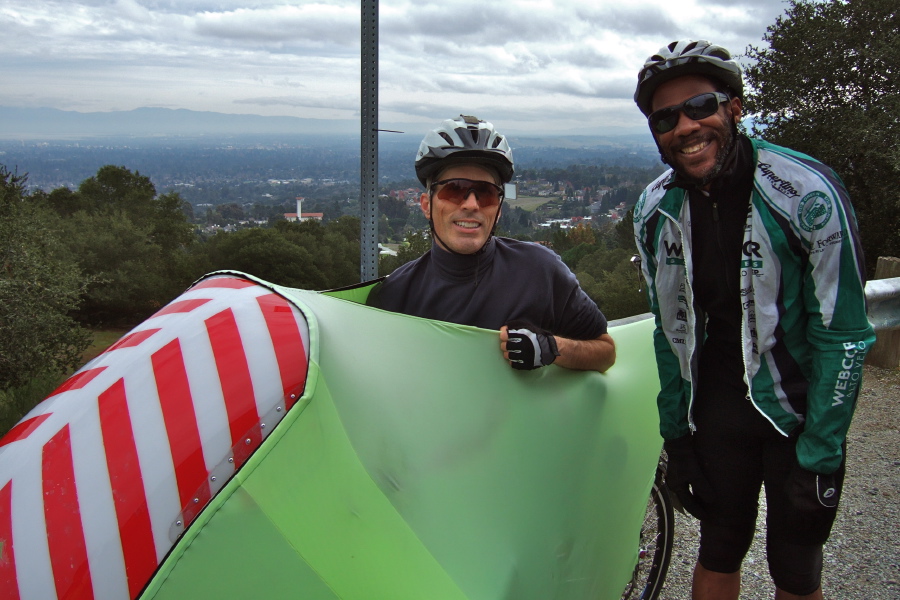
{"x": 624, "y": 20}
{"x": 323, "y": 26}
{"x": 547, "y": 61}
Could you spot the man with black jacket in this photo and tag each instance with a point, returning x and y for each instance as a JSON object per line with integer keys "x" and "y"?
{"x": 754, "y": 273}
{"x": 474, "y": 278}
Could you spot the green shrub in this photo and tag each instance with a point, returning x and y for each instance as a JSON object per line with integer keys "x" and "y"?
{"x": 15, "y": 402}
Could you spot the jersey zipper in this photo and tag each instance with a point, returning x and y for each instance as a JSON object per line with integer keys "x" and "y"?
{"x": 691, "y": 319}
{"x": 744, "y": 319}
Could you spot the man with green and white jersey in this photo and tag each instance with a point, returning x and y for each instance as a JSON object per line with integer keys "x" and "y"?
{"x": 754, "y": 274}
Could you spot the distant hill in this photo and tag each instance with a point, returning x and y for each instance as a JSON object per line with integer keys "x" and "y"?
{"x": 28, "y": 124}
{"x": 50, "y": 123}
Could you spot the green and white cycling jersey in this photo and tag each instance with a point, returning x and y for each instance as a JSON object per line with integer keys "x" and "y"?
{"x": 805, "y": 331}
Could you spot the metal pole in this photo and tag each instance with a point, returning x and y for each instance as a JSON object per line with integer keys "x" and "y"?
{"x": 368, "y": 193}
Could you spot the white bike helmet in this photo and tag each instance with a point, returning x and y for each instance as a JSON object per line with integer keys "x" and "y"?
{"x": 687, "y": 57}
{"x": 464, "y": 140}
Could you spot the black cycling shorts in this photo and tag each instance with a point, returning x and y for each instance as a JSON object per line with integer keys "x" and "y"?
{"x": 740, "y": 451}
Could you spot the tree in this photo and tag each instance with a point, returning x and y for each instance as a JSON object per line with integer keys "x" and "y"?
{"x": 415, "y": 245}
{"x": 333, "y": 248}
{"x": 40, "y": 283}
{"x": 560, "y": 240}
{"x": 572, "y": 256}
{"x": 66, "y": 202}
{"x": 231, "y": 211}
{"x": 130, "y": 280}
{"x": 610, "y": 279}
{"x": 129, "y": 240}
{"x": 305, "y": 255}
{"x": 267, "y": 254}
{"x": 828, "y": 85}
{"x": 623, "y": 232}
{"x": 115, "y": 189}
{"x": 514, "y": 221}
{"x": 394, "y": 215}
{"x": 416, "y": 221}
{"x": 582, "y": 234}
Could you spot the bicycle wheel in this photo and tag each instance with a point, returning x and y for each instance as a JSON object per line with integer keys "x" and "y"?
{"x": 655, "y": 552}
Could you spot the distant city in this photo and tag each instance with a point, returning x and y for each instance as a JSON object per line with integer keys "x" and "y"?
{"x": 247, "y": 178}
{"x": 178, "y": 161}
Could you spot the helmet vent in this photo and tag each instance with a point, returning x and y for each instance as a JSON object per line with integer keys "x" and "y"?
{"x": 687, "y": 57}
{"x": 481, "y": 145}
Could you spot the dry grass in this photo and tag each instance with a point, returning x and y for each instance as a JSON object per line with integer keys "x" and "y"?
{"x": 103, "y": 339}
{"x": 16, "y": 402}
{"x": 528, "y": 203}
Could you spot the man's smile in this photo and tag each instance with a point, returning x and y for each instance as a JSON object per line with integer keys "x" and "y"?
{"x": 694, "y": 147}
{"x": 467, "y": 224}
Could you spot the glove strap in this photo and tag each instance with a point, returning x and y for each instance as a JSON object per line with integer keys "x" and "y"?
{"x": 534, "y": 350}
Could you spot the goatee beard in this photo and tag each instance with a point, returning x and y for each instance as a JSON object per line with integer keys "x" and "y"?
{"x": 722, "y": 155}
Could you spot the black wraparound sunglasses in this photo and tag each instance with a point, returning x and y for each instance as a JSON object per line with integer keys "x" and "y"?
{"x": 699, "y": 107}
{"x": 457, "y": 190}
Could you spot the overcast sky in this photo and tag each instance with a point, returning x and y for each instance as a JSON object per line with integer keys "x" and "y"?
{"x": 526, "y": 65}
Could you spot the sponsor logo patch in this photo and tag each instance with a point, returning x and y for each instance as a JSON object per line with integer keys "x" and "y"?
{"x": 814, "y": 211}
{"x": 781, "y": 185}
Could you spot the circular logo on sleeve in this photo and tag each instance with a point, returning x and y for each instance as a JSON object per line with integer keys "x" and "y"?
{"x": 638, "y": 208}
{"x": 814, "y": 211}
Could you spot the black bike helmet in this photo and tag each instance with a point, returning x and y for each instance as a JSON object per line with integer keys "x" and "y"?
{"x": 464, "y": 140}
{"x": 687, "y": 57}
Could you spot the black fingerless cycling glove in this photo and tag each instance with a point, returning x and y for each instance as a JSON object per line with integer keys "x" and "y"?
{"x": 530, "y": 347}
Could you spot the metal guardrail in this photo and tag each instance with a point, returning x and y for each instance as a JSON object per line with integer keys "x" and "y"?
{"x": 627, "y": 320}
{"x": 882, "y": 297}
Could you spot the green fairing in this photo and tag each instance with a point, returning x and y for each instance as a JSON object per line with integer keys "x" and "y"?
{"x": 418, "y": 465}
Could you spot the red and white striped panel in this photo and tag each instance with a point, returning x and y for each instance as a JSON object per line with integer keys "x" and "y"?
{"x": 100, "y": 479}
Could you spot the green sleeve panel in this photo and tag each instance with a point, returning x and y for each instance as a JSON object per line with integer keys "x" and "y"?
{"x": 839, "y": 346}
{"x": 672, "y": 401}
{"x": 838, "y": 329}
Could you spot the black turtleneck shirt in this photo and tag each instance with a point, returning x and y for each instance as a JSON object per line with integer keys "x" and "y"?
{"x": 505, "y": 281}
{"x": 718, "y": 220}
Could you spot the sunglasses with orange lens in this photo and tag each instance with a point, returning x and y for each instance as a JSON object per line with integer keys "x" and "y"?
{"x": 457, "y": 190}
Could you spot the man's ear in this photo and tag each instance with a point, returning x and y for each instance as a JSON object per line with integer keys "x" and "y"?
{"x": 737, "y": 109}
{"x": 425, "y": 204}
